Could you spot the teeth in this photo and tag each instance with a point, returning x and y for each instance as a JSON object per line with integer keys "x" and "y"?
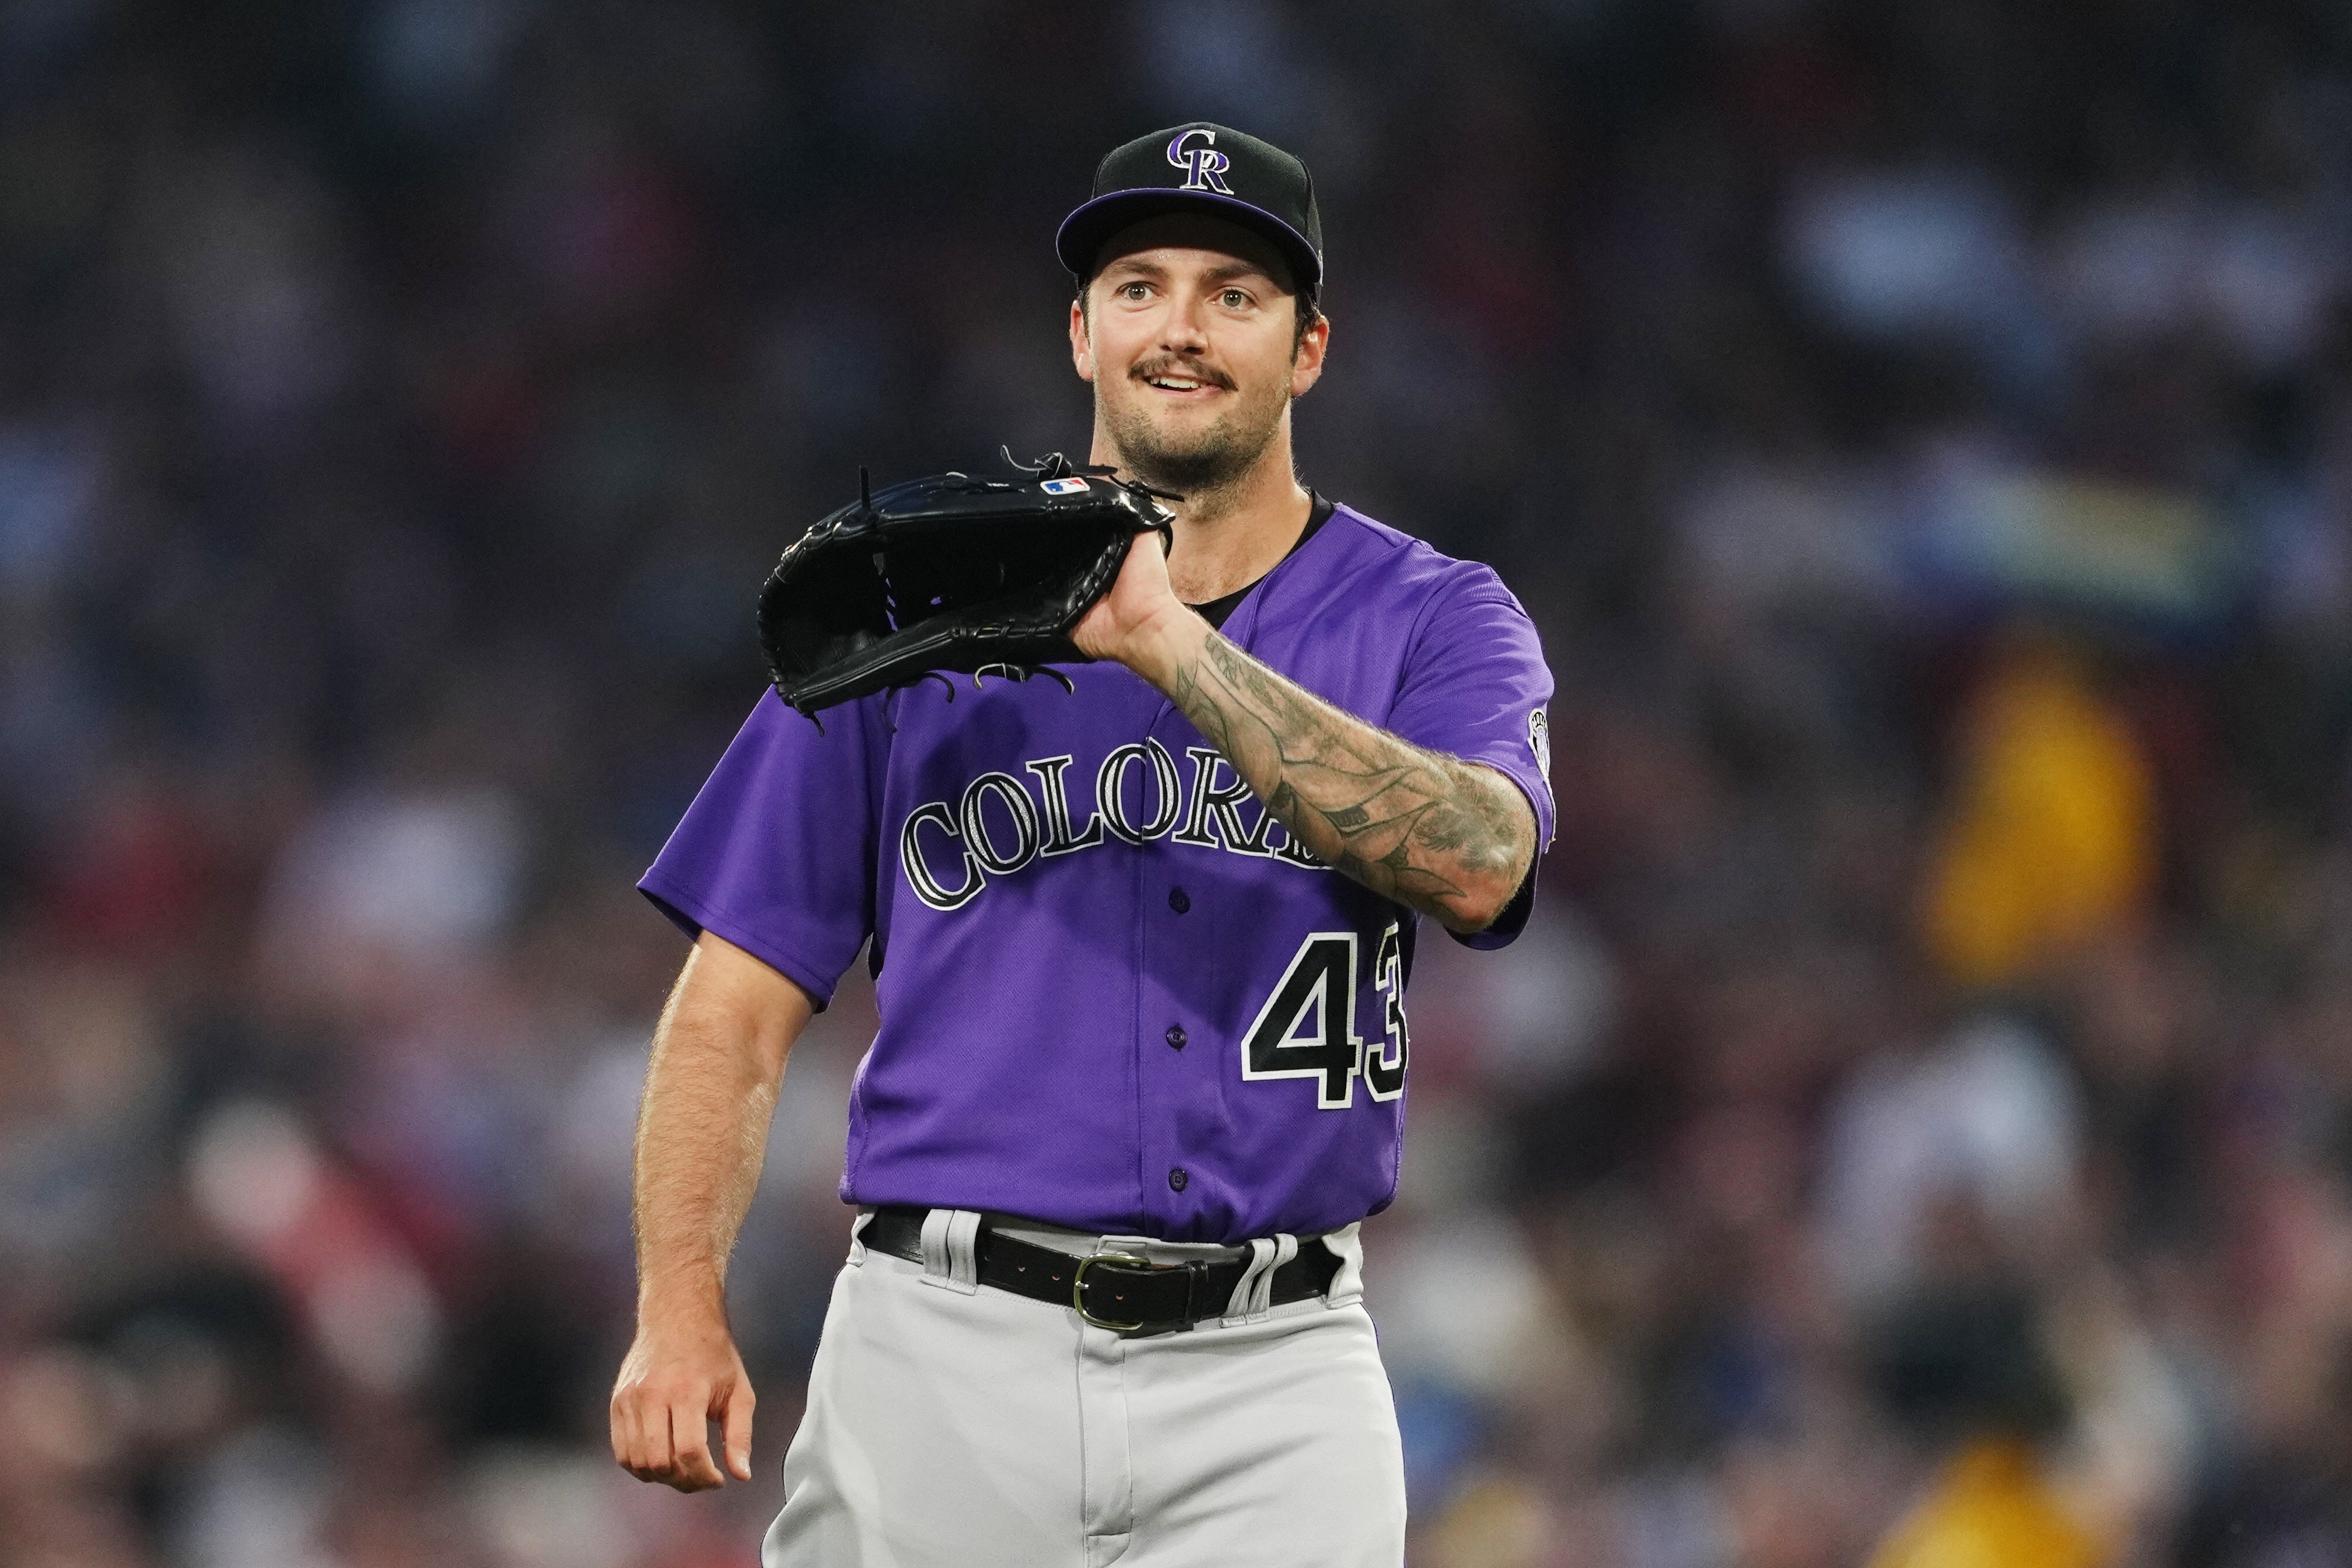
{"x": 1175, "y": 384}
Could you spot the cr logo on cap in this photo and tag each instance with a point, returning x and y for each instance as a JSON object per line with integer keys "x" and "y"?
{"x": 1202, "y": 164}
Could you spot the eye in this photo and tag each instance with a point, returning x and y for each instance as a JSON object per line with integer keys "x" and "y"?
{"x": 1134, "y": 290}
{"x": 1233, "y": 299}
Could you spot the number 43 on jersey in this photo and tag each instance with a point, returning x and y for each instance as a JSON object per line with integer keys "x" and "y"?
{"x": 1307, "y": 1027}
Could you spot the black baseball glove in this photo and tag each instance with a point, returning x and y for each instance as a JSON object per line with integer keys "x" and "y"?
{"x": 950, "y": 573}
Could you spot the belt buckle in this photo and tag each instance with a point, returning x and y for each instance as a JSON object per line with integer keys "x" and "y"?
{"x": 1078, "y": 1288}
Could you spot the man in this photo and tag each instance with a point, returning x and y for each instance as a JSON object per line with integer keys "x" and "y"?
{"x": 1142, "y": 1057}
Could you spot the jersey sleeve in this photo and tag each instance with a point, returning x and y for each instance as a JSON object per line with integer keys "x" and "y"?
{"x": 1476, "y": 686}
{"x": 777, "y": 852}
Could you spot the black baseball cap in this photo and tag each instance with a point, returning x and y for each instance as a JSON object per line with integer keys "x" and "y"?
{"x": 1204, "y": 168}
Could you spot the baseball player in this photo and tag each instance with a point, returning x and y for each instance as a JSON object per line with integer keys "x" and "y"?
{"x": 1140, "y": 955}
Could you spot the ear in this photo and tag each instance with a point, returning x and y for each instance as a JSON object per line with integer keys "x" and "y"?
{"x": 1307, "y": 364}
{"x": 1082, "y": 348}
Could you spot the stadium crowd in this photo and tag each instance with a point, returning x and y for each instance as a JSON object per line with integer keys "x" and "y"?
{"x": 1921, "y": 1109}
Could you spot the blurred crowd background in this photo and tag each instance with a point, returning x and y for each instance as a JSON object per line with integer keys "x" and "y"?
{"x": 1921, "y": 1112}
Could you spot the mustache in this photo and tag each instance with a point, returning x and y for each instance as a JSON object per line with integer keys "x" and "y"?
{"x": 1166, "y": 364}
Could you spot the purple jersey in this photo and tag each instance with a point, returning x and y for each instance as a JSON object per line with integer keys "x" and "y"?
{"x": 1114, "y": 995}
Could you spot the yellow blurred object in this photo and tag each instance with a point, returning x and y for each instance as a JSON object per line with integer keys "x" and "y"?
{"x": 1990, "y": 1509}
{"x": 2053, "y": 838}
{"x": 1496, "y": 1523}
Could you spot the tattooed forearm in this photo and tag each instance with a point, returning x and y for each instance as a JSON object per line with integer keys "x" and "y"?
{"x": 1443, "y": 835}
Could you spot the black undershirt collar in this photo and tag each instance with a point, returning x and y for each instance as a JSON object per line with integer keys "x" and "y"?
{"x": 1319, "y": 512}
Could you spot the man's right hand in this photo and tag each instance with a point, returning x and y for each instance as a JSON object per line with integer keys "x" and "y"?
{"x": 675, "y": 1380}
{"x": 711, "y": 1090}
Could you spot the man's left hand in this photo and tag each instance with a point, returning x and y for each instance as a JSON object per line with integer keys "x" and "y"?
{"x": 1129, "y": 625}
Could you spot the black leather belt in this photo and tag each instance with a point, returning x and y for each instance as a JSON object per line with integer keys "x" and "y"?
{"x": 1110, "y": 1289}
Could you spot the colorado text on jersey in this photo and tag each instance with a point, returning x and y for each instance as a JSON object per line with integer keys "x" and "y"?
{"x": 951, "y": 849}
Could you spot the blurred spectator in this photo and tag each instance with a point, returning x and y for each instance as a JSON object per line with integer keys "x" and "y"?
{"x": 2051, "y": 840}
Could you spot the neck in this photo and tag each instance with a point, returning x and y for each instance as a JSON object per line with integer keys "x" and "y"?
{"x": 1228, "y": 535}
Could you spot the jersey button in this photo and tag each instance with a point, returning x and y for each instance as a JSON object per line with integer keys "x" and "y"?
{"x": 1176, "y": 1035}
{"x": 1178, "y": 1180}
{"x": 1178, "y": 901}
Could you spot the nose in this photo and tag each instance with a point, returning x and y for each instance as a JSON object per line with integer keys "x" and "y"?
{"x": 1181, "y": 332}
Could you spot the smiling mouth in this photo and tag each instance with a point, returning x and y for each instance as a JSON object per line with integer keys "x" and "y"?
{"x": 1176, "y": 381}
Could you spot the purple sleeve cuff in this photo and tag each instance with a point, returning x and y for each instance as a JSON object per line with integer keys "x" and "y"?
{"x": 692, "y": 917}
{"x": 1476, "y": 687}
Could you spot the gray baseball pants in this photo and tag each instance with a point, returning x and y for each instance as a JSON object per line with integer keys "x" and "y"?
{"x": 953, "y": 1424}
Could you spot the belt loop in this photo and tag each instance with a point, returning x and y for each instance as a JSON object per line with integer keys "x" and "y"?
{"x": 1237, "y": 1309}
{"x": 1346, "y": 1244}
{"x": 950, "y": 1258}
{"x": 1253, "y": 1291}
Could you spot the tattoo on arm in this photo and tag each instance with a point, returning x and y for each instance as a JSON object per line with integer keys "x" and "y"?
{"x": 1440, "y": 835}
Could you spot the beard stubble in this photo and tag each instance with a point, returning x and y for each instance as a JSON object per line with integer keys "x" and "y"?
{"x": 1206, "y": 461}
